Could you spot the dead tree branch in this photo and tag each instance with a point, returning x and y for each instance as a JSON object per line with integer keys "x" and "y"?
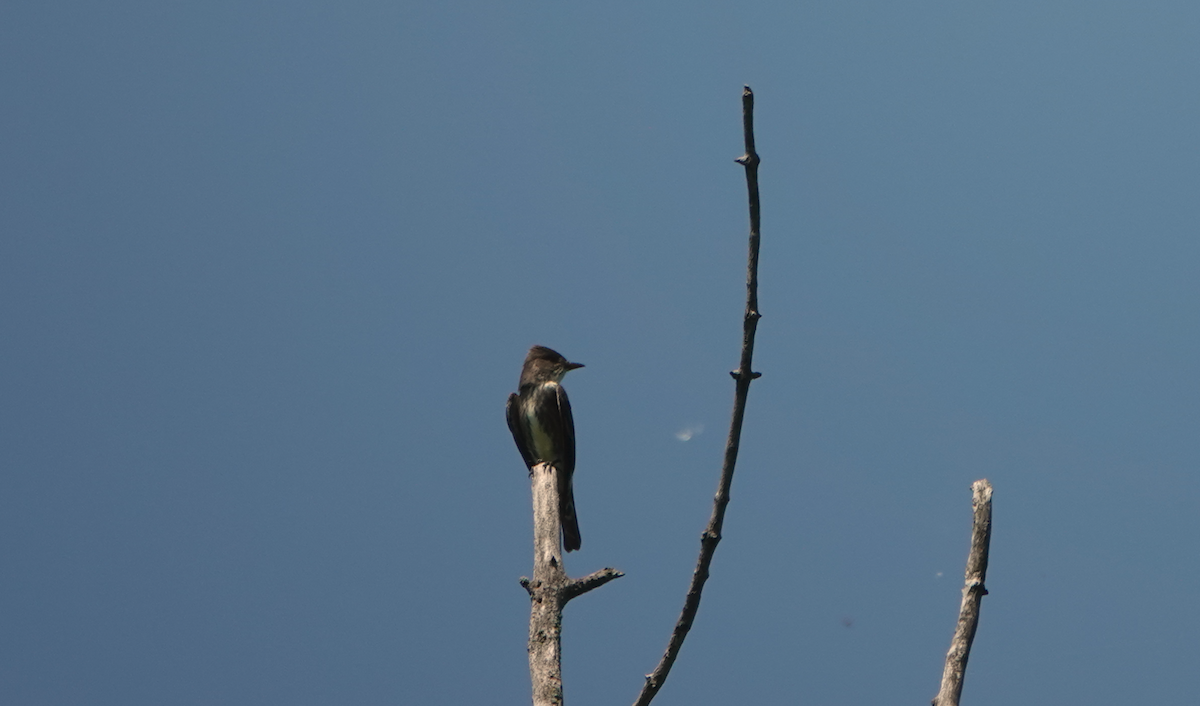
{"x": 742, "y": 377}
{"x": 973, "y": 593}
{"x": 550, "y": 589}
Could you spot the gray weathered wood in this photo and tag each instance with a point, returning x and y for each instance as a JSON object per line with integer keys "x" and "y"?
{"x": 972, "y": 595}
{"x": 545, "y": 591}
{"x": 550, "y": 589}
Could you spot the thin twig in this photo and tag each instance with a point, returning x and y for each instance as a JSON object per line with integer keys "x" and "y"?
{"x": 973, "y": 593}
{"x": 742, "y": 377}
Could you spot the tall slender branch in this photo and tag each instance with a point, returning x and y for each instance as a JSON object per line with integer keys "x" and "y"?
{"x": 973, "y": 593}
{"x": 742, "y": 377}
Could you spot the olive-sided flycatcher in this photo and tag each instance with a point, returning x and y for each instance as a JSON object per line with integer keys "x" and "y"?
{"x": 539, "y": 417}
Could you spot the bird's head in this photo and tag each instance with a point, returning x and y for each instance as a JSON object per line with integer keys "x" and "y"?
{"x": 548, "y": 364}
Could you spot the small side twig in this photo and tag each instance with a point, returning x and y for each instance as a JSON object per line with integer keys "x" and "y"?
{"x": 973, "y": 593}
{"x": 742, "y": 377}
{"x": 596, "y": 579}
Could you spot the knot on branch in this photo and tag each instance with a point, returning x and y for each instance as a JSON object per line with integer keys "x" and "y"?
{"x": 749, "y": 160}
{"x": 737, "y": 375}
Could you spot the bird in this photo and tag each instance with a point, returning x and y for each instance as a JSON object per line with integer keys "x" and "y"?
{"x": 539, "y": 417}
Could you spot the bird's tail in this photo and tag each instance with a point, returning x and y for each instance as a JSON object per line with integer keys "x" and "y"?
{"x": 566, "y": 516}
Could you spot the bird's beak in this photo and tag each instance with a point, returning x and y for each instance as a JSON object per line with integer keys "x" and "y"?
{"x": 572, "y": 366}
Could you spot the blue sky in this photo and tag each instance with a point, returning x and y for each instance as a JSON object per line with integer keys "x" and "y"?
{"x": 268, "y": 272}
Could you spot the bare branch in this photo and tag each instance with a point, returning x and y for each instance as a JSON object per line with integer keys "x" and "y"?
{"x": 545, "y": 591}
{"x": 550, "y": 589}
{"x": 973, "y": 593}
{"x": 742, "y": 377}
{"x": 578, "y": 587}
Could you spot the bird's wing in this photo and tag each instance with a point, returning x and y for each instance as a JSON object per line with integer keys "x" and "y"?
{"x": 512, "y": 412}
{"x": 567, "y": 427}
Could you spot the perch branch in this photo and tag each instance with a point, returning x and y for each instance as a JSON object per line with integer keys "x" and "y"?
{"x": 550, "y": 589}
